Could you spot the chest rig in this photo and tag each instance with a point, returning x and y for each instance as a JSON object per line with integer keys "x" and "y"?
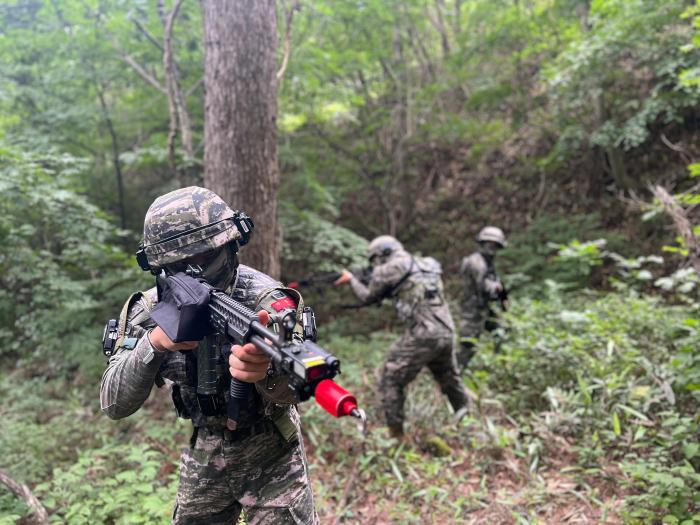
{"x": 208, "y": 391}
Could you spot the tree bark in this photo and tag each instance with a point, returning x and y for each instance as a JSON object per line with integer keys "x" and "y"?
{"x": 240, "y": 113}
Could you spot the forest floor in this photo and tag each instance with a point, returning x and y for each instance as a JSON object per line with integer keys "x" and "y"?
{"x": 439, "y": 474}
{"x": 507, "y": 492}
{"x": 457, "y": 482}
{"x": 437, "y": 478}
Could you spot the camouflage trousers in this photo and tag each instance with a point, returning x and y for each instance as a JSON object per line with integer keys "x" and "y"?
{"x": 472, "y": 322}
{"x": 262, "y": 475}
{"x": 406, "y": 358}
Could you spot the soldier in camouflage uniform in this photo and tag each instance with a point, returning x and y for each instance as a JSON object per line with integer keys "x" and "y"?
{"x": 260, "y": 467}
{"x": 416, "y": 285}
{"x": 481, "y": 287}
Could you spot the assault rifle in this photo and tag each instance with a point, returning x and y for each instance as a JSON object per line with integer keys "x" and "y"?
{"x": 189, "y": 309}
{"x": 503, "y": 299}
{"x": 364, "y": 274}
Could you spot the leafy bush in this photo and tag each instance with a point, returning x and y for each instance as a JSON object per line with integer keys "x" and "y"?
{"x": 63, "y": 275}
{"x": 120, "y": 484}
{"x": 54, "y": 438}
{"x": 617, "y": 374}
{"x": 314, "y": 244}
{"x": 532, "y": 251}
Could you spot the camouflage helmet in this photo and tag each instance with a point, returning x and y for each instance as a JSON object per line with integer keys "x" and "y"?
{"x": 187, "y": 222}
{"x": 383, "y": 246}
{"x": 492, "y": 234}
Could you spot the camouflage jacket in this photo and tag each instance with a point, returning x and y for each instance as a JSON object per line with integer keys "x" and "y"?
{"x": 416, "y": 285}
{"x": 481, "y": 284}
{"x": 135, "y": 365}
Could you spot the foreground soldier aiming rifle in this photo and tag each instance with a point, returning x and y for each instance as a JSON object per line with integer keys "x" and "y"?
{"x": 258, "y": 468}
{"x": 190, "y": 308}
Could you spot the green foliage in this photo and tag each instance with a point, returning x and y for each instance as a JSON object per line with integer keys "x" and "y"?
{"x": 62, "y": 261}
{"x": 531, "y": 255}
{"x": 83, "y": 467}
{"x": 313, "y": 244}
{"x": 668, "y": 477}
{"x": 585, "y": 381}
{"x": 617, "y": 374}
{"x": 420, "y": 117}
{"x": 65, "y": 82}
{"x": 600, "y": 73}
{"x": 113, "y": 484}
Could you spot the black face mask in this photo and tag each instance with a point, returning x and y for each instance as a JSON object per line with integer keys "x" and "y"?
{"x": 221, "y": 271}
{"x": 219, "y": 268}
{"x": 489, "y": 249}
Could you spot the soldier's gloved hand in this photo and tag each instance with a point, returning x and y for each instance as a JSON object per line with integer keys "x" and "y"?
{"x": 493, "y": 288}
{"x": 345, "y": 277}
{"x": 247, "y": 362}
{"x": 161, "y": 342}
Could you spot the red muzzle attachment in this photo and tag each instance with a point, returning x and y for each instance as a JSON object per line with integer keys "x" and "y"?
{"x": 336, "y": 400}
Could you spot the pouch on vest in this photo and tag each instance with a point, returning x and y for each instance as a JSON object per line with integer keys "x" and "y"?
{"x": 180, "y": 407}
{"x": 286, "y": 427}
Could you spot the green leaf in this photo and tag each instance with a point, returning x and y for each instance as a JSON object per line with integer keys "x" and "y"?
{"x": 691, "y": 450}
{"x": 633, "y": 412}
{"x": 396, "y": 471}
{"x": 616, "y": 424}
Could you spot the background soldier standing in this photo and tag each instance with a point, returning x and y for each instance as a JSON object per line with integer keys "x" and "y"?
{"x": 260, "y": 467}
{"x": 481, "y": 286}
{"x": 416, "y": 284}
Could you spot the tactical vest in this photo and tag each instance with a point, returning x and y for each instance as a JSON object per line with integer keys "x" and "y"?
{"x": 421, "y": 298}
{"x": 181, "y": 367}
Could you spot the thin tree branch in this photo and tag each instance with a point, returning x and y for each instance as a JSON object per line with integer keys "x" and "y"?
{"x": 147, "y": 34}
{"x": 194, "y": 87}
{"x": 176, "y": 102}
{"x": 169, "y": 68}
{"x": 287, "y": 41}
{"x": 41, "y": 517}
{"x": 457, "y": 26}
{"x": 676, "y": 148}
{"x": 115, "y": 152}
{"x": 683, "y": 224}
{"x": 441, "y": 27}
{"x": 160, "y": 8}
{"x": 136, "y": 66}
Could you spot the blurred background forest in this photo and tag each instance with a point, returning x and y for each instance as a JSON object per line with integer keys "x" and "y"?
{"x": 424, "y": 119}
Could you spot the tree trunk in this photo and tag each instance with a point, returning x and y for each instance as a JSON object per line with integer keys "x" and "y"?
{"x": 240, "y": 112}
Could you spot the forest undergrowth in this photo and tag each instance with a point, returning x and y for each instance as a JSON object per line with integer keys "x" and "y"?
{"x": 586, "y": 414}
